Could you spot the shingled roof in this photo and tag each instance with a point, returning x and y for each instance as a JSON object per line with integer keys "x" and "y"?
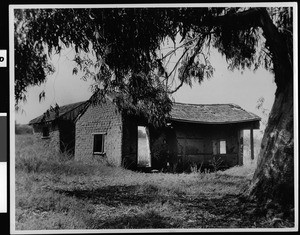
{"x": 69, "y": 111}
{"x": 211, "y": 113}
{"x": 196, "y": 113}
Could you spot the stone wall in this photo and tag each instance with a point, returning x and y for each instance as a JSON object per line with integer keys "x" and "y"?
{"x": 101, "y": 118}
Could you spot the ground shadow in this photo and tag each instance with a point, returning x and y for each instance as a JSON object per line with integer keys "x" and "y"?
{"x": 227, "y": 211}
{"x": 139, "y": 221}
{"x": 113, "y": 195}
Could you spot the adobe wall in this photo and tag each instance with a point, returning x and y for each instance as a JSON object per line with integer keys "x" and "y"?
{"x": 103, "y": 117}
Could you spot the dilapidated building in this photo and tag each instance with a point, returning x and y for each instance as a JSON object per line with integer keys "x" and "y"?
{"x": 196, "y": 135}
{"x": 57, "y": 126}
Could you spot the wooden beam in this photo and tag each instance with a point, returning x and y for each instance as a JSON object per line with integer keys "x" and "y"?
{"x": 240, "y": 147}
{"x": 251, "y": 144}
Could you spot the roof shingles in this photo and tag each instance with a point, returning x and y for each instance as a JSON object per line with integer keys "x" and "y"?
{"x": 63, "y": 110}
{"x": 211, "y": 113}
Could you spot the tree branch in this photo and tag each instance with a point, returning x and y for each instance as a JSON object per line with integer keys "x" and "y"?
{"x": 277, "y": 45}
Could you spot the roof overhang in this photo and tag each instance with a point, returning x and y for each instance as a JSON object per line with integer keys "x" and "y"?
{"x": 254, "y": 123}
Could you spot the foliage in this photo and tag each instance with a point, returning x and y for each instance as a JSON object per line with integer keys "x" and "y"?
{"x": 216, "y": 163}
{"x": 265, "y": 112}
{"x": 121, "y": 48}
{"x": 31, "y": 62}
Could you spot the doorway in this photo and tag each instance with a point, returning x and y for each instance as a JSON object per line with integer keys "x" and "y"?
{"x": 144, "y": 156}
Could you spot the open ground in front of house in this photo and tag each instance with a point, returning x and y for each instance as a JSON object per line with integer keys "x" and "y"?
{"x": 55, "y": 192}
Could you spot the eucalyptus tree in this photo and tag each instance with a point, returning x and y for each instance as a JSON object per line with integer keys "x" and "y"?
{"x": 121, "y": 50}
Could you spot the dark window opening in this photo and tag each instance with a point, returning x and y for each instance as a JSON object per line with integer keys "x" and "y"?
{"x": 45, "y": 132}
{"x": 98, "y": 144}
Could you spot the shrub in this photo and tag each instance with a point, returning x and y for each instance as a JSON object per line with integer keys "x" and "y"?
{"x": 216, "y": 163}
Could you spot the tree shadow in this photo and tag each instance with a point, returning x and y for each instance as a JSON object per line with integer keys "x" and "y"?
{"x": 112, "y": 195}
{"x": 229, "y": 210}
{"x": 149, "y": 219}
{"x": 213, "y": 211}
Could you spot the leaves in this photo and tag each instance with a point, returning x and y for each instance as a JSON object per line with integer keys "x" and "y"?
{"x": 75, "y": 71}
{"x": 41, "y": 96}
{"x": 120, "y": 48}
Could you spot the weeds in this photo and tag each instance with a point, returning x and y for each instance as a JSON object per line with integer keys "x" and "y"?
{"x": 216, "y": 163}
{"x": 56, "y": 192}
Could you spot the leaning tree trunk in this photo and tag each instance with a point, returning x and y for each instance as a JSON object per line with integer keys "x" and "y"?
{"x": 273, "y": 180}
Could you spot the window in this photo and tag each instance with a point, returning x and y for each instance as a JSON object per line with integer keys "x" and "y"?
{"x": 222, "y": 147}
{"x": 219, "y": 147}
{"x": 98, "y": 144}
{"x": 45, "y": 132}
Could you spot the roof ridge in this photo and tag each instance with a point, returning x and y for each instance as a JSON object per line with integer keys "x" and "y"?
{"x": 206, "y": 104}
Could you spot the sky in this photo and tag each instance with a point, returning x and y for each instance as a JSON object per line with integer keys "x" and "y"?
{"x": 241, "y": 88}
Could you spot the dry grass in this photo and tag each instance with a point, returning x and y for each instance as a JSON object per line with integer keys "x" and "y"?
{"x": 56, "y": 192}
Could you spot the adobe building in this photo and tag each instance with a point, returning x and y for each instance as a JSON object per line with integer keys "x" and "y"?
{"x": 57, "y": 127}
{"x": 196, "y": 135}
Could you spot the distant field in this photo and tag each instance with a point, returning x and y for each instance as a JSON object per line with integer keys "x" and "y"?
{"x": 56, "y": 192}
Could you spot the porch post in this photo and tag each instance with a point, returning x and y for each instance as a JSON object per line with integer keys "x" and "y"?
{"x": 251, "y": 143}
{"x": 240, "y": 147}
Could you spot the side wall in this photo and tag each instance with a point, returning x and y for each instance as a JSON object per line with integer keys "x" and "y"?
{"x": 101, "y": 118}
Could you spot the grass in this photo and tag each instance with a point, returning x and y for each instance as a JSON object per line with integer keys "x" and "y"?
{"x": 55, "y": 192}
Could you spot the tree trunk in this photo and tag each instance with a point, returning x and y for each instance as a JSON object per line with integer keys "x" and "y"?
{"x": 273, "y": 180}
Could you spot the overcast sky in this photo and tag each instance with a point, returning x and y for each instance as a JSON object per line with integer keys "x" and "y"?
{"x": 241, "y": 88}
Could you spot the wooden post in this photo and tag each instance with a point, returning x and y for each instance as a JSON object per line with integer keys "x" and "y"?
{"x": 240, "y": 147}
{"x": 251, "y": 144}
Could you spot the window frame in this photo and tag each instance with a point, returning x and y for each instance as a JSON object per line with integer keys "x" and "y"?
{"x": 102, "y": 144}
{"x": 222, "y": 140}
{"x": 218, "y": 143}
